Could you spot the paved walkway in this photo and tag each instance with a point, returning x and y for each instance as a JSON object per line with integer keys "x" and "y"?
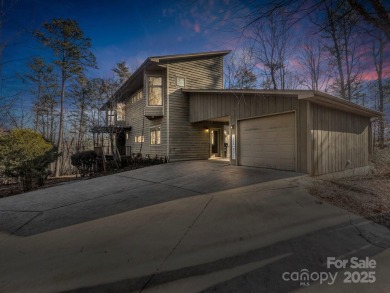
{"x": 181, "y": 227}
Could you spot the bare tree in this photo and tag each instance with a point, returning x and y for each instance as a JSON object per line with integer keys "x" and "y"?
{"x": 312, "y": 62}
{"x": 272, "y": 49}
{"x": 239, "y": 69}
{"x": 374, "y": 12}
{"x": 6, "y": 102}
{"x": 44, "y": 90}
{"x": 82, "y": 94}
{"x": 378, "y": 45}
{"x": 342, "y": 44}
{"x": 19, "y": 113}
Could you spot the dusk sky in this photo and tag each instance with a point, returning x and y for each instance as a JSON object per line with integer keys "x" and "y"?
{"x": 125, "y": 30}
{"x": 129, "y": 30}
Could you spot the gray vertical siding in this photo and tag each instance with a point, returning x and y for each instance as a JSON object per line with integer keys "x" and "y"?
{"x": 336, "y": 138}
{"x": 187, "y": 140}
{"x": 205, "y": 106}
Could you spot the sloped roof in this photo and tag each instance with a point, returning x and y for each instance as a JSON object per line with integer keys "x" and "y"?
{"x": 136, "y": 77}
{"x": 189, "y": 55}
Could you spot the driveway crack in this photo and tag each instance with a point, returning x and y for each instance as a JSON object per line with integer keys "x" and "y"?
{"x": 178, "y": 243}
{"x": 157, "y": 182}
{"x": 29, "y": 221}
{"x": 361, "y": 234}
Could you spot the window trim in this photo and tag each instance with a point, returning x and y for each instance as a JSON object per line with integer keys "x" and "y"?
{"x": 162, "y": 90}
{"x": 150, "y": 135}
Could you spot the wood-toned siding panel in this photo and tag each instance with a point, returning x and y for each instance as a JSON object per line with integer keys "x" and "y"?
{"x": 191, "y": 141}
{"x": 240, "y": 106}
{"x": 302, "y": 136}
{"x": 338, "y": 137}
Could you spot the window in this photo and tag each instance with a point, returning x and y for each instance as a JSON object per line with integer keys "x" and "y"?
{"x": 155, "y": 135}
{"x": 137, "y": 97}
{"x": 180, "y": 82}
{"x": 139, "y": 138}
{"x": 155, "y": 92}
{"x": 120, "y": 112}
{"x": 110, "y": 117}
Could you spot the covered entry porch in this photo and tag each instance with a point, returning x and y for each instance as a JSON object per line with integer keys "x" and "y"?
{"x": 219, "y": 138}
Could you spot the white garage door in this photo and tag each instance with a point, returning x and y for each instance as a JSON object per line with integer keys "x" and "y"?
{"x": 268, "y": 142}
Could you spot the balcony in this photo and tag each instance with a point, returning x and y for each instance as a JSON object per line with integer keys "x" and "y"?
{"x": 152, "y": 112}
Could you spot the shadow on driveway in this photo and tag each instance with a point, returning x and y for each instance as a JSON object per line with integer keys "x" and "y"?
{"x": 61, "y": 206}
{"x": 261, "y": 270}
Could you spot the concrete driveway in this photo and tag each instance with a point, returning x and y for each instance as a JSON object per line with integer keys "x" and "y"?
{"x": 184, "y": 227}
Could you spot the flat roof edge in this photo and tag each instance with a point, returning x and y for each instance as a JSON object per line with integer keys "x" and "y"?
{"x": 308, "y": 95}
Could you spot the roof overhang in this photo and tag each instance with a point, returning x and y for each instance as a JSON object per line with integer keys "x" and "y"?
{"x": 330, "y": 101}
{"x": 136, "y": 79}
{"x": 159, "y": 59}
{"x": 316, "y": 97}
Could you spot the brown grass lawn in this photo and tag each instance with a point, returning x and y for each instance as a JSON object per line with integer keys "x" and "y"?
{"x": 367, "y": 196}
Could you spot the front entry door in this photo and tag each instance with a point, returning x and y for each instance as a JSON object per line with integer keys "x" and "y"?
{"x": 215, "y": 142}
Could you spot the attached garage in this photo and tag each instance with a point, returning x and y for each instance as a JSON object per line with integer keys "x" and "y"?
{"x": 268, "y": 142}
{"x": 303, "y": 131}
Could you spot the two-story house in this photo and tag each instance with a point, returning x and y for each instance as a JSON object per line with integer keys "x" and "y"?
{"x": 176, "y": 106}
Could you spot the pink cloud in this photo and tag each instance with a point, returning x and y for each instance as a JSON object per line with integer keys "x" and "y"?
{"x": 197, "y": 28}
{"x": 370, "y": 76}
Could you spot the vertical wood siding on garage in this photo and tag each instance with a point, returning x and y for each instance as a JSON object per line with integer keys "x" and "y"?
{"x": 338, "y": 137}
{"x": 242, "y": 106}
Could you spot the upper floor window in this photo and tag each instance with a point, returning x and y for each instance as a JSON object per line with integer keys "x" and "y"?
{"x": 111, "y": 117}
{"x": 180, "y": 82}
{"x": 120, "y": 112}
{"x": 137, "y": 97}
{"x": 155, "y": 91}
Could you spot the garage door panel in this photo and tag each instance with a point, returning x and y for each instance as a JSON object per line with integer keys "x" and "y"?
{"x": 268, "y": 142}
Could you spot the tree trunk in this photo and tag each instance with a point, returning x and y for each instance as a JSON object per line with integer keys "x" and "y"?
{"x": 378, "y": 62}
{"x": 61, "y": 127}
{"x": 338, "y": 55}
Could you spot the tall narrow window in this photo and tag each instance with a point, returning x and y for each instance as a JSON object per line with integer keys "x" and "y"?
{"x": 155, "y": 135}
{"x": 111, "y": 117}
{"x": 120, "y": 112}
{"x": 155, "y": 92}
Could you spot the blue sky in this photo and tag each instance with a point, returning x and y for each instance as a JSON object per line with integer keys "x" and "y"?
{"x": 126, "y": 30}
{"x": 123, "y": 30}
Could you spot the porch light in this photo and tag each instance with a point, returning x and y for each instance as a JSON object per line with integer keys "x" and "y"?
{"x": 206, "y": 129}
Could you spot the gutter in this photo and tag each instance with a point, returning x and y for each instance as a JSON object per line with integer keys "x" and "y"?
{"x": 168, "y": 124}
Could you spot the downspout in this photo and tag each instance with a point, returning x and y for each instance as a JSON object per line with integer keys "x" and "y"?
{"x": 167, "y": 110}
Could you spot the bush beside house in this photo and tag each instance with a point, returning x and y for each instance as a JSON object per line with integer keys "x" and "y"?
{"x": 26, "y": 155}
